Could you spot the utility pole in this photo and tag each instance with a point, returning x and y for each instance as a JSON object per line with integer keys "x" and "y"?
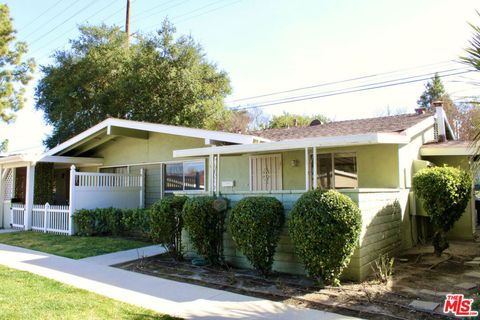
{"x": 127, "y": 21}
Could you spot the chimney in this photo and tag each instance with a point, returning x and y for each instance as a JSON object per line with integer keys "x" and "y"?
{"x": 420, "y": 110}
{"x": 440, "y": 118}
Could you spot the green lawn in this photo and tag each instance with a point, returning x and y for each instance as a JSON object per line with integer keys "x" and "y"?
{"x": 28, "y": 296}
{"x": 74, "y": 247}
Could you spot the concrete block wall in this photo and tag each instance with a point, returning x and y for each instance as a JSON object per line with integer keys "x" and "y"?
{"x": 381, "y": 232}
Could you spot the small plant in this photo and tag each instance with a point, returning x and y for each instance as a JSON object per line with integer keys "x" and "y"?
{"x": 255, "y": 225}
{"x": 445, "y": 192}
{"x": 166, "y": 224}
{"x": 324, "y": 226}
{"x": 383, "y": 268}
{"x": 205, "y": 226}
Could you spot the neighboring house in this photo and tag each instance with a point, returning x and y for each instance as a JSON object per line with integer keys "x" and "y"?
{"x": 128, "y": 164}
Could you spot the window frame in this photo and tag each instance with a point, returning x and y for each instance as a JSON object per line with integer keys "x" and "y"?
{"x": 183, "y": 162}
{"x": 332, "y": 159}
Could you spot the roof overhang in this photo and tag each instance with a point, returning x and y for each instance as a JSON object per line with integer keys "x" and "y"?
{"x": 320, "y": 142}
{"x": 448, "y": 150}
{"x": 112, "y": 128}
{"x": 22, "y": 160}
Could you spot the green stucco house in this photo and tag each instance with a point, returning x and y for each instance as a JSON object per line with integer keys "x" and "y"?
{"x": 130, "y": 164}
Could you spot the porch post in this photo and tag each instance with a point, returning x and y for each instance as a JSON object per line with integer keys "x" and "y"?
{"x": 71, "y": 201}
{"x": 307, "y": 178}
{"x": 314, "y": 167}
{"x": 142, "y": 188}
{"x": 29, "y": 189}
{"x": 2, "y": 196}
{"x": 218, "y": 173}
{"x": 210, "y": 173}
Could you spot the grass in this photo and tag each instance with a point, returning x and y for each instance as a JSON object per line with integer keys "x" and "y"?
{"x": 74, "y": 247}
{"x": 28, "y": 296}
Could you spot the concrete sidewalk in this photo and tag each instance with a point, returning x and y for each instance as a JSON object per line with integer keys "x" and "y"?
{"x": 162, "y": 295}
{"x": 110, "y": 259}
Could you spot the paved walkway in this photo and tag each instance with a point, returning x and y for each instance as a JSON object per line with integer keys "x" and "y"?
{"x": 162, "y": 295}
{"x": 110, "y": 259}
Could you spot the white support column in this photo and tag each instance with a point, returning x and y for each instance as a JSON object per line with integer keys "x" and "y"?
{"x": 71, "y": 207}
{"x": 142, "y": 188}
{"x": 29, "y": 189}
{"x": 218, "y": 174}
{"x": 210, "y": 173}
{"x": 2, "y": 184}
{"x": 314, "y": 160}
{"x": 307, "y": 176}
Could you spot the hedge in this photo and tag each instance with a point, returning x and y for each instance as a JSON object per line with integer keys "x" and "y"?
{"x": 255, "y": 224}
{"x": 112, "y": 221}
{"x": 324, "y": 227}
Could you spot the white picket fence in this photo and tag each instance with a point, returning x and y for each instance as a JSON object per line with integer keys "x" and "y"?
{"x": 107, "y": 180}
{"x": 51, "y": 219}
{"x": 18, "y": 215}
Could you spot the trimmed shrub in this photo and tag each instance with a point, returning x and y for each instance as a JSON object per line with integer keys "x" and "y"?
{"x": 324, "y": 226}
{"x": 255, "y": 224}
{"x": 445, "y": 192}
{"x": 205, "y": 226}
{"x": 136, "y": 222}
{"x": 110, "y": 221}
{"x": 166, "y": 224}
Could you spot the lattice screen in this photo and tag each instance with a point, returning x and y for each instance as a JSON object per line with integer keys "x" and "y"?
{"x": 8, "y": 186}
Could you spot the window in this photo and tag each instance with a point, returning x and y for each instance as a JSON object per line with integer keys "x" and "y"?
{"x": 337, "y": 170}
{"x": 122, "y": 170}
{"x": 184, "y": 176}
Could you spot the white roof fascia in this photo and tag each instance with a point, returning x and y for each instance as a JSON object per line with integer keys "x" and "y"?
{"x": 323, "y": 142}
{"x": 71, "y": 160}
{"x": 158, "y": 128}
{"x": 447, "y": 151}
{"x": 419, "y": 127}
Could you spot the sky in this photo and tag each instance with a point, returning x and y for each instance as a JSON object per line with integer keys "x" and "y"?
{"x": 270, "y": 46}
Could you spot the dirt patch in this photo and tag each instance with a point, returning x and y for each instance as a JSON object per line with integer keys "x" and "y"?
{"x": 418, "y": 275}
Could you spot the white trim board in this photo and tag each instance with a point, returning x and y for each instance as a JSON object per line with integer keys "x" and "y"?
{"x": 321, "y": 142}
{"x": 157, "y": 128}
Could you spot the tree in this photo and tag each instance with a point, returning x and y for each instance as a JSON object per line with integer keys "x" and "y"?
{"x": 445, "y": 192}
{"x": 15, "y": 72}
{"x": 287, "y": 120}
{"x": 157, "y": 78}
{"x": 434, "y": 90}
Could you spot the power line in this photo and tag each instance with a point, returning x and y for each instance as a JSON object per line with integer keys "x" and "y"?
{"x": 168, "y": 8}
{"x": 338, "y": 92}
{"x": 41, "y": 15}
{"x": 153, "y": 8}
{"x": 209, "y": 11}
{"x": 51, "y": 20}
{"x": 339, "y": 81}
{"x": 63, "y": 22}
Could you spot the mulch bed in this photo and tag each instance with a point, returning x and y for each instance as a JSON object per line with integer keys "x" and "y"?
{"x": 370, "y": 299}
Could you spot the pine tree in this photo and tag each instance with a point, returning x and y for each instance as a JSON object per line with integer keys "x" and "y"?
{"x": 434, "y": 90}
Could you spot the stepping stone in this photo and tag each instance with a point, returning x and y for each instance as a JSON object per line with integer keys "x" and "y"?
{"x": 423, "y": 305}
{"x": 473, "y": 263}
{"x": 473, "y": 274}
{"x": 476, "y": 259}
{"x": 433, "y": 293}
{"x": 466, "y": 285}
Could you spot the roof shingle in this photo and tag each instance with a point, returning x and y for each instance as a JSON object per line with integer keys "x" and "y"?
{"x": 389, "y": 124}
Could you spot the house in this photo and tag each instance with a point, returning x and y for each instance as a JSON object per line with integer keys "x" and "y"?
{"x": 129, "y": 164}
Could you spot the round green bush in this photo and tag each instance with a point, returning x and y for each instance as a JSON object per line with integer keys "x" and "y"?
{"x": 204, "y": 223}
{"x": 325, "y": 226}
{"x": 166, "y": 224}
{"x": 255, "y": 224}
{"x": 445, "y": 192}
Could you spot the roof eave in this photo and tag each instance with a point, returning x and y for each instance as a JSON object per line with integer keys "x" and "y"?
{"x": 319, "y": 142}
